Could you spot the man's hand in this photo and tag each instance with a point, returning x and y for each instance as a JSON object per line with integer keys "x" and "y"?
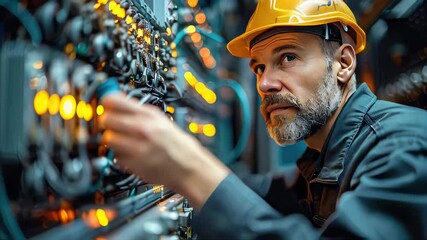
{"x": 149, "y": 144}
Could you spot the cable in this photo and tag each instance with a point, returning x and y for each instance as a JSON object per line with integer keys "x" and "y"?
{"x": 181, "y": 34}
{"x": 246, "y": 119}
{"x": 211, "y": 35}
{"x": 63, "y": 186}
{"x": 27, "y": 20}
{"x": 7, "y": 217}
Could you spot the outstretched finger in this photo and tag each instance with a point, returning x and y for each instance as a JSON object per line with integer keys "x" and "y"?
{"x": 120, "y": 103}
{"x": 132, "y": 125}
{"x": 133, "y": 148}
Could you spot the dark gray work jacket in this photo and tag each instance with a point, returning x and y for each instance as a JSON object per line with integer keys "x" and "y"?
{"x": 369, "y": 182}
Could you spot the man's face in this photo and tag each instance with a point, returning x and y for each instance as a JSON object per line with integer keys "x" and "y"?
{"x": 297, "y": 85}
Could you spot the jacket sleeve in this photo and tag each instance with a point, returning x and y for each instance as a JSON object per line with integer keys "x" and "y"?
{"x": 388, "y": 201}
{"x": 234, "y": 211}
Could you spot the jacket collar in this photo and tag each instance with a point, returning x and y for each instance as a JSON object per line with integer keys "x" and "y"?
{"x": 340, "y": 138}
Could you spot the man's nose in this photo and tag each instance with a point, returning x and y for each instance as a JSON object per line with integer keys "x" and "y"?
{"x": 269, "y": 83}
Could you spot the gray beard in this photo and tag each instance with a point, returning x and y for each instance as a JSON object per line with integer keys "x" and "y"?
{"x": 310, "y": 117}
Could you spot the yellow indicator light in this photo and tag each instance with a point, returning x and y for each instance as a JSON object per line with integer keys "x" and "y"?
{"x": 174, "y": 53}
{"x": 67, "y": 107}
{"x": 100, "y": 110}
{"x": 116, "y": 10}
{"x": 209, "y": 130}
{"x": 112, "y": 5}
{"x": 188, "y": 75}
{"x": 165, "y": 69}
{"x": 41, "y": 101}
{"x": 88, "y": 112}
{"x": 190, "y": 78}
{"x": 102, "y": 217}
{"x": 147, "y": 39}
{"x": 200, "y": 18}
{"x": 140, "y": 33}
{"x": 192, "y": 3}
{"x": 173, "y": 45}
{"x": 170, "y": 109}
{"x": 156, "y": 36}
{"x": 53, "y": 105}
{"x": 210, "y": 97}
{"x": 129, "y": 19}
{"x": 156, "y": 48}
{"x": 72, "y": 56}
{"x": 81, "y": 109}
{"x": 38, "y": 65}
{"x": 63, "y": 215}
{"x": 121, "y": 12}
{"x": 193, "y": 127}
{"x": 168, "y": 31}
{"x": 158, "y": 189}
{"x": 212, "y": 100}
{"x": 191, "y": 29}
{"x": 95, "y": 218}
{"x": 69, "y": 48}
{"x": 200, "y": 88}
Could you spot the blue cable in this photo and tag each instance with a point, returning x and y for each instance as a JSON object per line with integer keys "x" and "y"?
{"x": 211, "y": 35}
{"x": 27, "y": 20}
{"x": 246, "y": 119}
{"x": 181, "y": 34}
{"x": 110, "y": 86}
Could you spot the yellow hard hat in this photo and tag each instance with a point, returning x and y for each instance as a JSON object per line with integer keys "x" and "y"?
{"x": 297, "y": 13}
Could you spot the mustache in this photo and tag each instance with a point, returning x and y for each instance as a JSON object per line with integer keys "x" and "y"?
{"x": 287, "y": 98}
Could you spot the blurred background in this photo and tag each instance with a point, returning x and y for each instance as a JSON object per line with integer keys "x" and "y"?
{"x": 59, "y": 57}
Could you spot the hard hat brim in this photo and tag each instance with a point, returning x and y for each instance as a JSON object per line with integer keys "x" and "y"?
{"x": 239, "y": 46}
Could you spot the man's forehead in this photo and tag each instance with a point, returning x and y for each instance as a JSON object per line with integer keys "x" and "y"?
{"x": 292, "y": 40}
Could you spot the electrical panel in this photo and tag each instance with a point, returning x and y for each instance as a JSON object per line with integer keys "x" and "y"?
{"x": 57, "y": 60}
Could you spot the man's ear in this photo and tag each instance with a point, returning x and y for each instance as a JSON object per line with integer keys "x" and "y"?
{"x": 346, "y": 57}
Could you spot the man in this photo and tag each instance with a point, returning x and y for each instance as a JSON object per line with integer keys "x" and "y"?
{"x": 364, "y": 174}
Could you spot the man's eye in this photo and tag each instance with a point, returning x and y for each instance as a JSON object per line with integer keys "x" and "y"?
{"x": 288, "y": 58}
{"x": 258, "y": 70}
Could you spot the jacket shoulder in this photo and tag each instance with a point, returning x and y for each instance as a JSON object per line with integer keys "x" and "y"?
{"x": 390, "y": 118}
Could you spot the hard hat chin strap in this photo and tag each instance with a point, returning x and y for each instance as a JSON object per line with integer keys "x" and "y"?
{"x": 329, "y": 32}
